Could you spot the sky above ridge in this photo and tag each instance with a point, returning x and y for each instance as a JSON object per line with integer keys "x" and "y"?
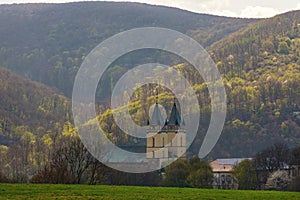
{"x": 231, "y": 8}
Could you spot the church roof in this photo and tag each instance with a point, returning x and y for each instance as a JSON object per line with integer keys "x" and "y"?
{"x": 157, "y": 119}
{"x": 175, "y": 118}
{"x": 225, "y": 165}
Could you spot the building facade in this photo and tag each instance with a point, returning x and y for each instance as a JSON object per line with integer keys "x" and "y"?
{"x": 166, "y": 139}
{"x": 222, "y": 170}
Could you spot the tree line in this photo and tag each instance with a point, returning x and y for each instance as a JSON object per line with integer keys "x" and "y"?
{"x": 63, "y": 159}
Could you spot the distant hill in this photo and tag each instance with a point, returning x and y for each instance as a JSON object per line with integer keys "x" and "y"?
{"x": 29, "y": 106}
{"x": 47, "y": 42}
{"x": 258, "y": 59}
{"x": 260, "y": 41}
{"x": 260, "y": 66}
{"x": 261, "y": 70}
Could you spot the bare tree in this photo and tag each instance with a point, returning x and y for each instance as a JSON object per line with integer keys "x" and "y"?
{"x": 77, "y": 157}
{"x": 270, "y": 160}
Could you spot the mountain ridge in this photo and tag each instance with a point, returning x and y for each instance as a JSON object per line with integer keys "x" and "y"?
{"x": 258, "y": 59}
{"x": 48, "y": 42}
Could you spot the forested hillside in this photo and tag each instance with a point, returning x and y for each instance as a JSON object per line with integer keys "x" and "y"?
{"x": 48, "y": 42}
{"x": 258, "y": 59}
{"x": 27, "y": 107}
{"x": 261, "y": 70}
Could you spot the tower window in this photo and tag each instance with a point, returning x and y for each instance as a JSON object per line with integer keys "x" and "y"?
{"x": 153, "y": 142}
{"x": 163, "y": 142}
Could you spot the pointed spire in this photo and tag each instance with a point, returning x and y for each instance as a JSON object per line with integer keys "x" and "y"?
{"x": 156, "y": 119}
{"x": 175, "y": 118}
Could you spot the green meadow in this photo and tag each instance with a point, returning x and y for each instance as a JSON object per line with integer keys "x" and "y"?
{"x": 45, "y": 191}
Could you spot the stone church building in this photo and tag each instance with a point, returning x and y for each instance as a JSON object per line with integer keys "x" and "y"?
{"x": 165, "y": 142}
{"x": 166, "y": 139}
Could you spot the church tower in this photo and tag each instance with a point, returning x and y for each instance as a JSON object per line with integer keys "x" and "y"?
{"x": 166, "y": 139}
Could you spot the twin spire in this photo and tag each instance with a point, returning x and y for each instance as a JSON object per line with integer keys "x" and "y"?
{"x": 157, "y": 119}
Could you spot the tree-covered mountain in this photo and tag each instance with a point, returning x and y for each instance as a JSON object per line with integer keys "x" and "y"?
{"x": 260, "y": 67}
{"x": 48, "y": 42}
{"x": 261, "y": 70}
{"x": 258, "y": 59}
{"x": 29, "y": 107}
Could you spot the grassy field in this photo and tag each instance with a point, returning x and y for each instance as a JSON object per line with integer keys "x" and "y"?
{"x": 30, "y": 191}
